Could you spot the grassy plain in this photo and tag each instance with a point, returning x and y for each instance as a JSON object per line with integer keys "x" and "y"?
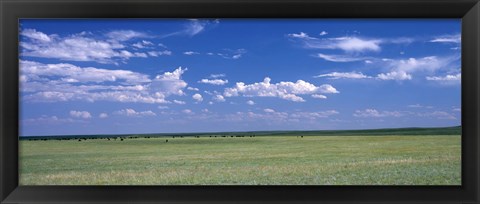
{"x": 261, "y": 160}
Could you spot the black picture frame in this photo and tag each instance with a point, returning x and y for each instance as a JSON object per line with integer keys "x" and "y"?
{"x": 12, "y": 10}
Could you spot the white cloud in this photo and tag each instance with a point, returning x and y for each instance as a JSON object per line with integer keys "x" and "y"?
{"x": 456, "y": 77}
{"x": 457, "y": 109}
{"x": 72, "y": 73}
{"x": 284, "y": 90}
{"x": 190, "y": 53}
{"x": 124, "y": 35}
{"x": 159, "y": 53}
{"x": 163, "y": 107}
{"x": 193, "y": 27}
{"x": 213, "y": 81}
{"x": 448, "y": 39}
{"x": 187, "y": 111}
{"x": 143, "y": 44}
{"x": 346, "y": 75}
{"x": 373, "y": 113}
{"x": 103, "y": 115}
{"x": 66, "y": 82}
{"x": 319, "y": 96}
{"x": 348, "y": 44}
{"x": 170, "y": 82}
{"x": 339, "y": 58}
{"x": 218, "y": 98}
{"x": 300, "y": 35}
{"x": 323, "y": 33}
{"x": 179, "y": 102}
{"x": 313, "y": 115}
{"x": 217, "y": 75}
{"x": 80, "y": 114}
{"x": 415, "y": 106}
{"x": 51, "y": 120}
{"x": 192, "y": 89}
{"x": 133, "y": 113}
{"x": 34, "y": 34}
{"x": 232, "y": 54}
{"x": 78, "y": 47}
{"x": 439, "y": 115}
{"x": 400, "y": 75}
{"x": 250, "y": 102}
{"x": 197, "y": 97}
{"x": 268, "y": 110}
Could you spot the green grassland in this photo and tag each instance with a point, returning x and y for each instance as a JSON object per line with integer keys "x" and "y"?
{"x": 283, "y": 159}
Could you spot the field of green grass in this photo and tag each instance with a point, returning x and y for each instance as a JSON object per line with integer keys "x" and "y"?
{"x": 261, "y": 160}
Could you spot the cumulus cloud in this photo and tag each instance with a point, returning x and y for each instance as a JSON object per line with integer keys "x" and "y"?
{"x": 78, "y": 47}
{"x": 250, "y": 102}
{"x": 344, "y": 75}
{"x": 218, "y": 98}
{"x": 103, "y": 115}
{"x": 133, "y": 113}
{"x": 268, "y": 110}
{"x": 197, "y": 97}
{"x": 323, "y": 33}
{"x": 283, "y": 90}
{"x": 373, "y": 113}
{"x": 66, "y": 82}
{"x": 400, "y": 75}
{"x": 80, "y": 114}
{"x": 213, "y": 81}
{"x": 170, "y": 82}
{"x": 456, "y": 77}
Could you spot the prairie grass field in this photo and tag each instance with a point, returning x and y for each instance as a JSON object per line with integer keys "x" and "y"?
{"x": 261, "y": 160}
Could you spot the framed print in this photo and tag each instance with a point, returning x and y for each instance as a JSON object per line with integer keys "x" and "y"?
{"x": 223, "y": 101}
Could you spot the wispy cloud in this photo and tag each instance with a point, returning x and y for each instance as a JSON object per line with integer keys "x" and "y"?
{"x": 456, "y": 38}
{"x": 348, "y": 44}
{"x": 344, "y": 75}
{"x": 193, "y": 27}
{"x": 373, "y": 113}
{"x": 190, "y": 53}
{"x": 339, "y": 58}
{"x": 232, "y": 54}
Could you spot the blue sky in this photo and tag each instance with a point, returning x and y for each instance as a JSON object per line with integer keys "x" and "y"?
{"x": 202, "y": 75}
